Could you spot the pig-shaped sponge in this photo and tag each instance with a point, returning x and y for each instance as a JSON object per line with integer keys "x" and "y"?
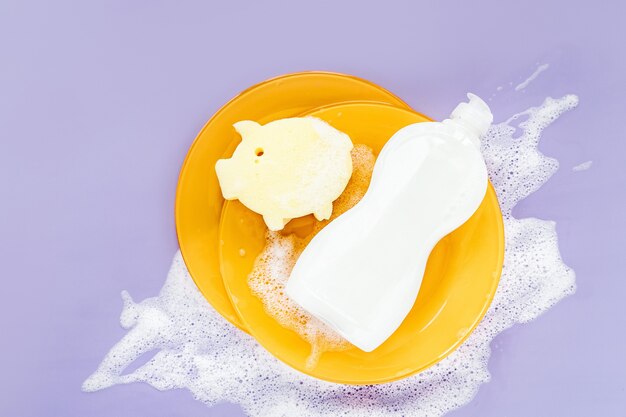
{"x": 287, "y": 168}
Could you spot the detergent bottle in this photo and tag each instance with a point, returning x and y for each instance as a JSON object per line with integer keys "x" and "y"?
{"x": 361, "y": 274}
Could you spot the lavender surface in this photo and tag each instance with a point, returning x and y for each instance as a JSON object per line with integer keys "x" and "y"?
{"x": 100, "y": 100}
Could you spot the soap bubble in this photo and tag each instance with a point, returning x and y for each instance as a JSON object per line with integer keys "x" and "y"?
{"x": 200, "y": 351}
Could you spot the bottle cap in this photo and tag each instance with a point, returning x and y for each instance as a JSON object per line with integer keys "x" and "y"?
{"x": 475, "y": 115}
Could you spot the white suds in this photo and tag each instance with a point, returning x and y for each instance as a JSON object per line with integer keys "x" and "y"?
{"x": 582, "y": 167}
{"x": 273, "y": 266}
{"x": 527, "y": 81}
{"x": 198, "y": 350}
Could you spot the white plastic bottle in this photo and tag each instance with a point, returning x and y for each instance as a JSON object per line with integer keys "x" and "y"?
{"x": 362, "y": 272}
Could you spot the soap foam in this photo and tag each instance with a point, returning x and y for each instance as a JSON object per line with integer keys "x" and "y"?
{"x": 531, "y": 78}
{"x": 200, "y": 351}
{"x": 583, "y": 166}
{"x": 273, "y": 266}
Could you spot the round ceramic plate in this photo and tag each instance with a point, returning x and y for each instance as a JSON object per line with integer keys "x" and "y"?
{"x": 459, "y": 283}
{"x": 198, "y": 197}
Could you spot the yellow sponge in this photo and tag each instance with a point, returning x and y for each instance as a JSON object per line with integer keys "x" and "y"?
{"x": 287, "y": 168}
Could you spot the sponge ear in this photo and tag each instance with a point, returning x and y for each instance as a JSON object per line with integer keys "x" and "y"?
{"x": 228, "y": 183}
{"x": 245, "y": 127}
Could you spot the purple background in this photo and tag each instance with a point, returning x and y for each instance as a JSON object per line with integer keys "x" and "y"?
{"x": 100, "y": 100}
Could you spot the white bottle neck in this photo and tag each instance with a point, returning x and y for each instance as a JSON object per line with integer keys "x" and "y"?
{"x": 474, "y": 117}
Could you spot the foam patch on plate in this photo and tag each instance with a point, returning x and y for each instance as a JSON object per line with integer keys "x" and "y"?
{"x": 273, "y": 266}
{"x": 198, "y": 350}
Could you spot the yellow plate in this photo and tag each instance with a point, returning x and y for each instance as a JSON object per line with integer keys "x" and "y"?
{"x": 459, "y": 283}
{"x": 198, "y": 197}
